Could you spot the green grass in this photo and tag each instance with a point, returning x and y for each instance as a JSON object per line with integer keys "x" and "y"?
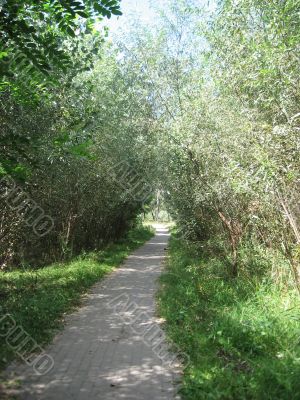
{"x": 38, "y": 299}
{"x": 242, "y": 335}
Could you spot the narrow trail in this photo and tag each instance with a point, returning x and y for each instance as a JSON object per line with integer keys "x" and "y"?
{"x": 109, "y": 348}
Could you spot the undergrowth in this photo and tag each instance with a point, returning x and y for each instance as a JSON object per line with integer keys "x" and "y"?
{"x": 241, "y": 335}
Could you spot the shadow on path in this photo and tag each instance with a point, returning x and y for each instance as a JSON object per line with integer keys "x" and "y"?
{"x": 100, "y": 354}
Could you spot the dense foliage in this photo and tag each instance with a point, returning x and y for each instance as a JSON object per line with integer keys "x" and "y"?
{"x": 71, "y": 178}
{"x": 33, "y": 32}
{"x": 225, "y": 90}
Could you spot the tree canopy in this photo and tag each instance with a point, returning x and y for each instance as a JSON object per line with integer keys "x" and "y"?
{"x": 33, "y": 32}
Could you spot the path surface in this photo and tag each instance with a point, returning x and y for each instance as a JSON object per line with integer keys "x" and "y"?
{"x": 103, "y": 352}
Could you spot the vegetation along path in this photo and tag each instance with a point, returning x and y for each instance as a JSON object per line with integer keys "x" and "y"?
{"x": 113, "y": 347}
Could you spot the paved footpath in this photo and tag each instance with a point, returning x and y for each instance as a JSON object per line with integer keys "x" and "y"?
{"x": 108, "y": 349}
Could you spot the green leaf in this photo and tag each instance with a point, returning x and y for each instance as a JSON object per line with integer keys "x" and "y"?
{"x": 110, "y": 3}
{"x": 70, "y": 31}
{"x": 82, "y": 14}
{"x": 3, "y": 54}
{"x": 101, "y": 10}
{"x": 116, "y": 11}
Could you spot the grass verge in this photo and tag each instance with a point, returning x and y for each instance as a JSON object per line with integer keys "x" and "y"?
{"x": 242, "y": 335}
{"x": 38, "y": 299}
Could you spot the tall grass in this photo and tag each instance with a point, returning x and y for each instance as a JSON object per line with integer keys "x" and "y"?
{"x": 242, "y": 335}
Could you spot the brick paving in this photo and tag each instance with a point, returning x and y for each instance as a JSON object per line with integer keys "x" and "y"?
{"x": 105, "y": 350}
